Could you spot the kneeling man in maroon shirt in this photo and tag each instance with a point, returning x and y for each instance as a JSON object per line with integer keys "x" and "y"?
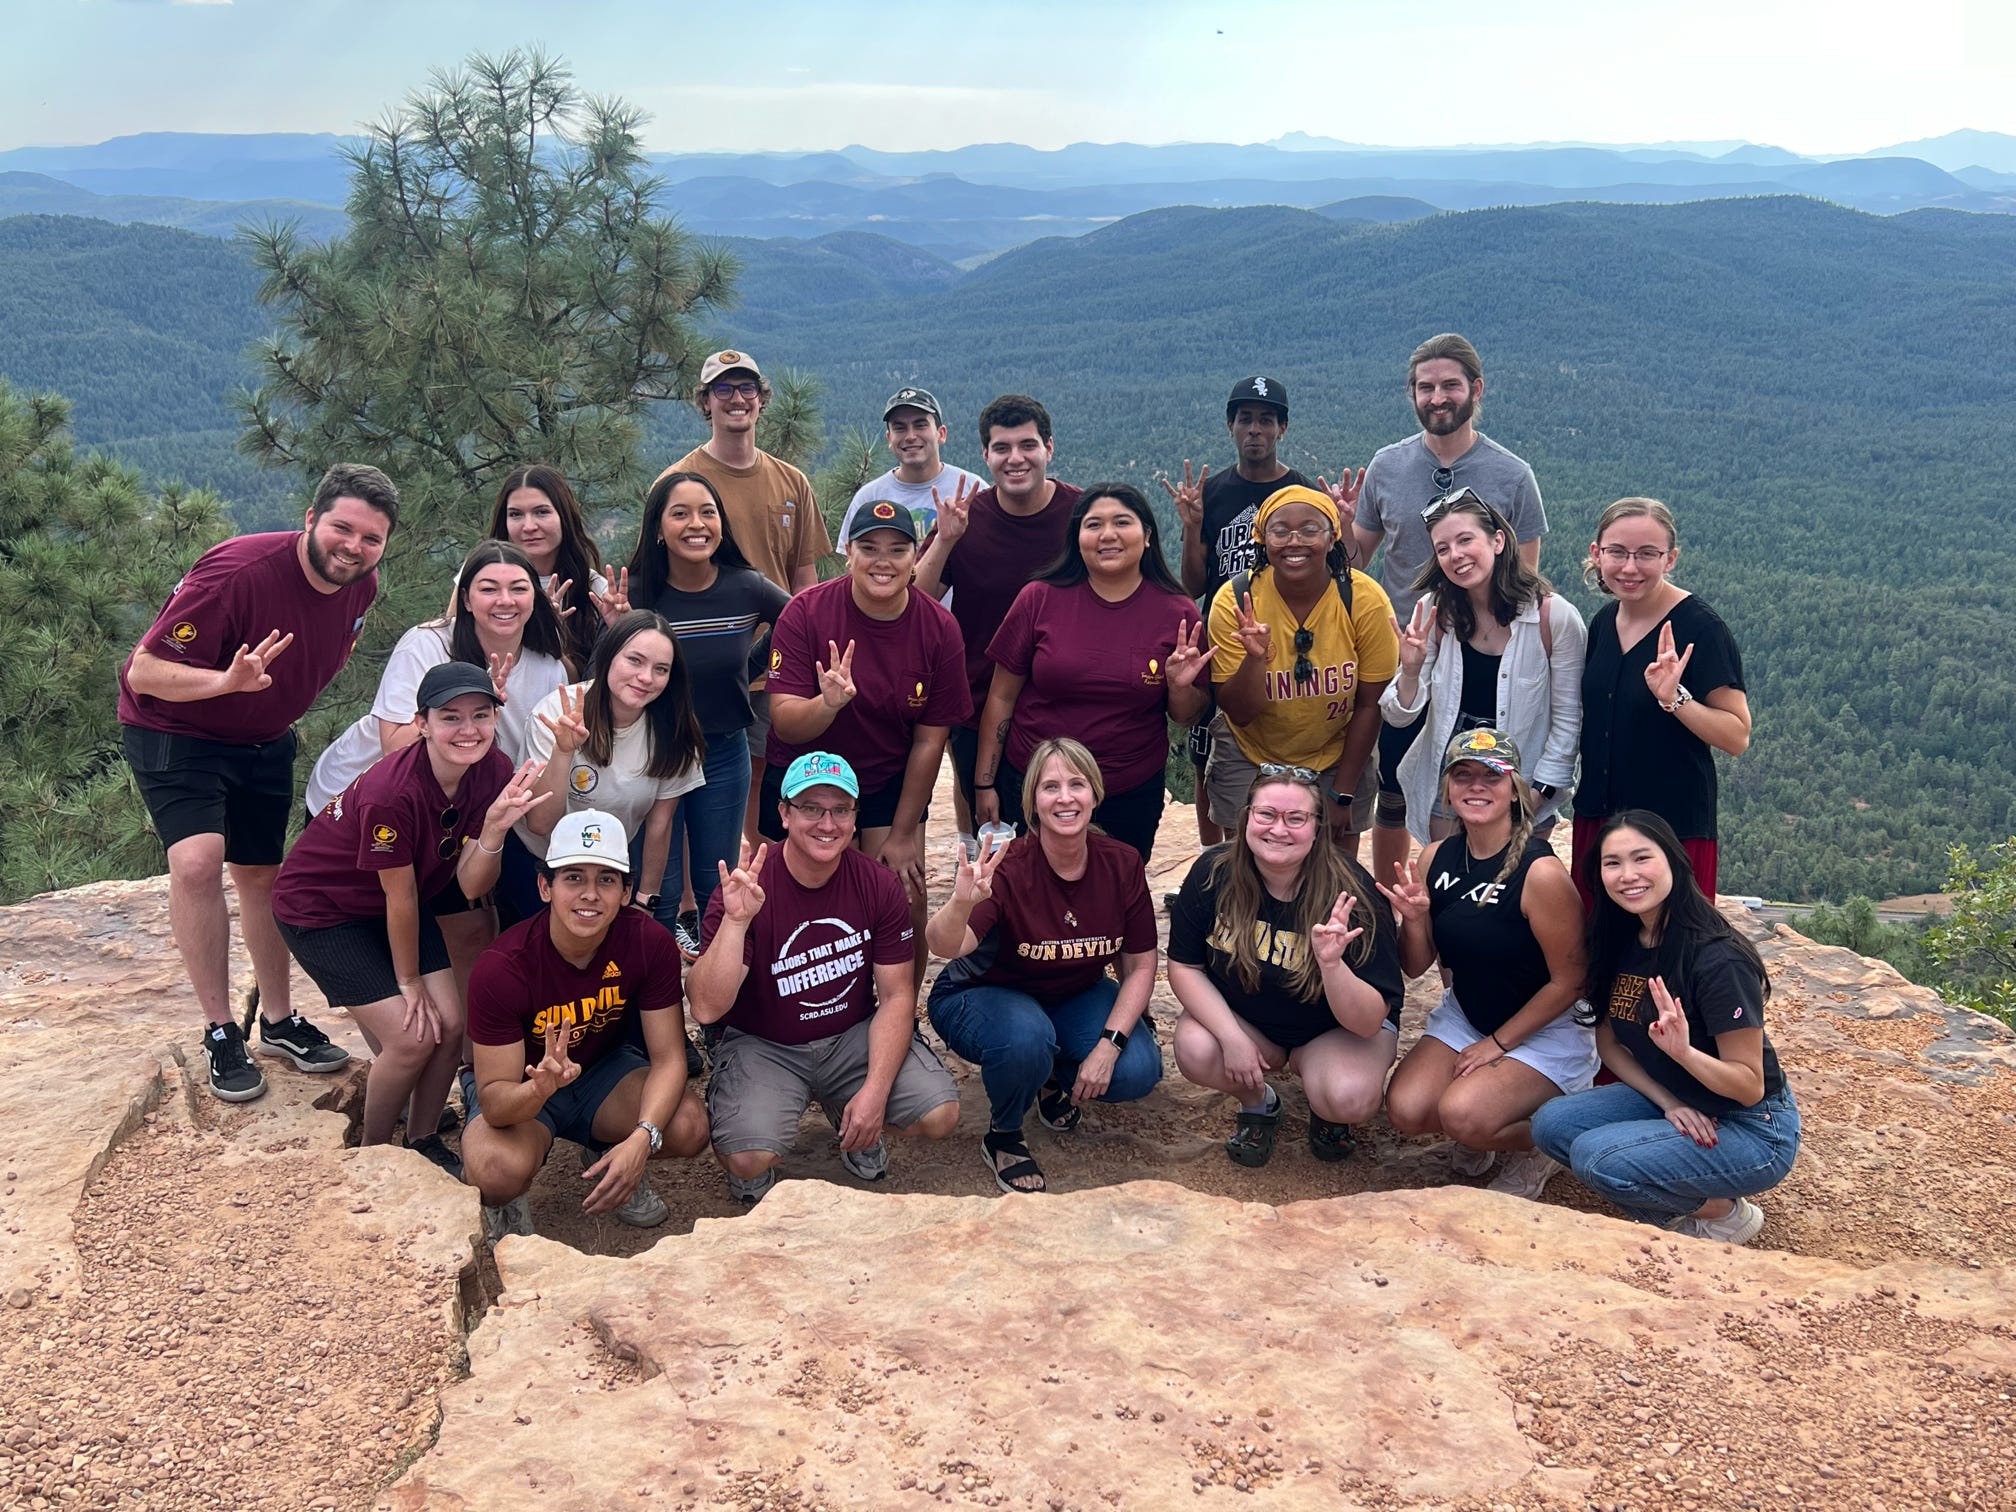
{"x": 807, "y": 966}
{"x": 551, "y": 1011}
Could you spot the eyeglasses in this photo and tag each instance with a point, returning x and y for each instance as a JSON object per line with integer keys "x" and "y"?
{"x": 818, "y": 811}
{"x": 1297, "y": 819}
{"x": 1444, "y": 476}
{"x": 1644, "y": 556}
{"x": 726, "y": 390}
{"x": 1305, "y": 641}
{"x": 1282, "y": 534}
{"x": 450, "y": 841}
{"x": 1273, "y": 769}
{"x": 1443, "y": 503}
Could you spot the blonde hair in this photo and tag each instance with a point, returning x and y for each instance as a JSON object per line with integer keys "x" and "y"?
{"x": 1525, "y": 804}
{"x": 1633, "y": 508}
{"x": 1074, "y": 755}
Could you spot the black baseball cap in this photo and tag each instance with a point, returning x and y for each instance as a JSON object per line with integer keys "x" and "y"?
{"x": 449, "y": 681}
{"x": 881, "y": 514}
{"x": 1258, "y": 390}
{"x": 913, "y": 398}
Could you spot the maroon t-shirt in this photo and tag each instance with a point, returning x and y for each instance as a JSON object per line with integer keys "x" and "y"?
{"x": 812, "y": 951}
{"x": 1095, "y": 673}
{"x": 993, "y": 562}
{"x": 522, "y": 985}
{"x": 907, "y": 671}
{"x": 389, "y": 817}
{"x": 1053, "y": 939}
{"x": 237, "y": 594}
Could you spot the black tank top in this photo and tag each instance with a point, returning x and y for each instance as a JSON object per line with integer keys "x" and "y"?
{"x": 1480, "y": 934}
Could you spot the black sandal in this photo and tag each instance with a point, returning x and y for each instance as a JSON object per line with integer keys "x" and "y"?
{"x": 1022, "y": 1168}
{"x": 1252, "y": 1142}
{"x": 1330, "y": 1141}
{"x": 1055, "y": 1108}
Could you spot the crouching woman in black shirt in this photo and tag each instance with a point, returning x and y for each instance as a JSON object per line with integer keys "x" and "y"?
{"x": 1700, "y": 1119}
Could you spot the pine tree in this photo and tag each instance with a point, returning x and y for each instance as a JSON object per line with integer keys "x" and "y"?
{"x": 87, "y": 557}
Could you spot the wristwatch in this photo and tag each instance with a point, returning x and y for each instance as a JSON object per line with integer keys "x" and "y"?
{"x": 1680, "y": 696}
{"x": 657, "y": 1139}
{"x": 1344, "y": 800}
{"x": 647, "y": 901}
{"x": 1117, "y": 1037}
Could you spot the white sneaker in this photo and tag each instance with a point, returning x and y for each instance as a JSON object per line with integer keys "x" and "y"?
{"x": 1739, "y": 1225}
{"x": 514, "y": 1217}
{"x": 1465, "y": 1161}
{"x": 871, "y": 1164}
{"x": 1526, "y": 1174}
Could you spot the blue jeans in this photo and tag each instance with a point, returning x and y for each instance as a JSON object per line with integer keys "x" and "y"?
{"x": 1619, "y": 1145}
{"x": 709, "y": 822}
{"x": 1019, "y": 1043}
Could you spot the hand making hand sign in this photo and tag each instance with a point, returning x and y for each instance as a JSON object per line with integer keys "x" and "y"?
{"x": 1667, "y": 668}
{"x": 1415, "y": 636}
{"x": 248, "y": 670}
{"x": 1408, "y": 895}
{"x": 557, "y": 1068}
{"x": 1344, "y": 494}
{"x": 1254, "y": 635}
{"x": 570, "y": 728}
{"x": 614, "y": 604}
{"x": 955, "y": 513}
{"x": 974, "y": 882}
{"x": 1334, "y": 935}
{"x": 1189, "y": 498}
{"x": 836, "y": 676}
{"x": 741, "y": 894}
{"x": 1187, "y": 662}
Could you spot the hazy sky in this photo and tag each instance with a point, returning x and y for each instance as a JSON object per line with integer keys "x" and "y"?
{"x": 1817, "y": 77}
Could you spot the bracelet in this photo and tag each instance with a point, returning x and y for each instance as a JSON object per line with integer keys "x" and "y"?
{"x": 983, "y": 787}
{"x": 486, "y": 849}
{"x": 1499, "y": 1043}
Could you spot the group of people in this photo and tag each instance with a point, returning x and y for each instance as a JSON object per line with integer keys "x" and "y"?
{"x": 586, "y": 793}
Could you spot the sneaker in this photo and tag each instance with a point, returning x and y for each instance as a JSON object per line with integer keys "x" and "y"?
{"x": 514, "y": 1217}
{"x": 295, "y": 1039}
{"x": 752, "y": 1191}
{"x": 871, "y": 1164}
{"x": 1526, "y": 1174}
{"x": 1465, "y": 1161}
{"x": 645, "y": 1209}
{"x": 438, "y": 1152}
{"x": 233, "y": 1077}
{"x": 686, "y": 930}
{"x": 1740, "y": 1225}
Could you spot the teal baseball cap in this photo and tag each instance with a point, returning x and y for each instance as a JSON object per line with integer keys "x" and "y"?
{"x": 820, "y": 769}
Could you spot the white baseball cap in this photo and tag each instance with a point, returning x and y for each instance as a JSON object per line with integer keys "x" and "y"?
{"x": 589, "y": 835}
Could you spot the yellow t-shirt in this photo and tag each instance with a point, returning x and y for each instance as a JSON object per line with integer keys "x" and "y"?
{"x": 1303, "y": 724}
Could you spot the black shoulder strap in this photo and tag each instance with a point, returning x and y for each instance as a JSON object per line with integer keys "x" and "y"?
{"x": 1343, "y": 581}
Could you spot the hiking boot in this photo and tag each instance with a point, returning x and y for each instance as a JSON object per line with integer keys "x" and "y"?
{"x": 1465, "y": 1161}
{"x": 871, "y": 1164}
{"x": 1739, "y": 1225}
{"x": 295, "y": 1039}
{"x": 437, "y": 1151}
{"x": 686, "y": 930}
{"x": 645, "y": 1209}
{"x": 1526, "y": 1175}
{"x": 514, "y": 1217}
{"x": 233, "y": 1077}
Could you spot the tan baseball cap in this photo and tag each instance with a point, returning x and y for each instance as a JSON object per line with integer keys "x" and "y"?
{"x": 722, "y": 362}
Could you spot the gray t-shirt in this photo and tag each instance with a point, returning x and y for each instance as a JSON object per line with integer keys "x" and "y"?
{"x": 915, "y": 497}
{"x": 1400, "y": 482}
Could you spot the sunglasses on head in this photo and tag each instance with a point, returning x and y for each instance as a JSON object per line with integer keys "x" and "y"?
{"x": 1275, "y": 769}
{"x": 1443, "y": 503}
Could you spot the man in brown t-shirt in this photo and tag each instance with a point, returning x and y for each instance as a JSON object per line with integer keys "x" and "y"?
{"x": 768, "y": 503}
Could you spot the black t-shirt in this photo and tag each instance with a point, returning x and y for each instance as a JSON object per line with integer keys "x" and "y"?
{"x": 1495, "y": 963}
{"x": 1719, "y": 991}
{"x": 717, "y": 631}
{"x": 1195, "y": 940}
{"x": 1229, "y": 505}
{"x": 1478, "y": 708}
{"x": 1635, "y": 754}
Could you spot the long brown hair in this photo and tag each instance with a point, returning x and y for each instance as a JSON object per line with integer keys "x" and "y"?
{"x": 1325, "y": 873}
{"x": 577, "y": 561}
{"x": 1514, "y": 585}
{"x": 672, "y": 728}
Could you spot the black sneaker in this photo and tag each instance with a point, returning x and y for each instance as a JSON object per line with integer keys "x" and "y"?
{"x": 233, "y": 1077}
{"x": 438, "y": 1152}
{"x": 686, "y": 929}
{"x": 295, "y": 1039}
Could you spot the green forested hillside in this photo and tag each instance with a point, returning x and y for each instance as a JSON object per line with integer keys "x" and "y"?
{"x": 1822, "y": 395}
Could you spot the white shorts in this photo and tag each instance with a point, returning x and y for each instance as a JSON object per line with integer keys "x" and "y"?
{"x": 1564, "y": 1052}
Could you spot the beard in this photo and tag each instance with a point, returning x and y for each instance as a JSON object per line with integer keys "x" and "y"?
{"x": 1446, "y": 422}
{"x": 330, "y": 572}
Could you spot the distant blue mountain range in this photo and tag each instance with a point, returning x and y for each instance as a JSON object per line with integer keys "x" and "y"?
{"x": 977, "y": 201}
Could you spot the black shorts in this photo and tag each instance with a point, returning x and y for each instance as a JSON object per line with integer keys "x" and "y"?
{"x": 204, "y": 787}
{"x": 876, "y": 810}
{"x": 964, "y": 744}
{"x": 352, "y": 963}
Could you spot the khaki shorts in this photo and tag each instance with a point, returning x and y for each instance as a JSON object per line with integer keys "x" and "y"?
{"x": 759, "y": 1089}
{"x": 1229, "y": 778}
